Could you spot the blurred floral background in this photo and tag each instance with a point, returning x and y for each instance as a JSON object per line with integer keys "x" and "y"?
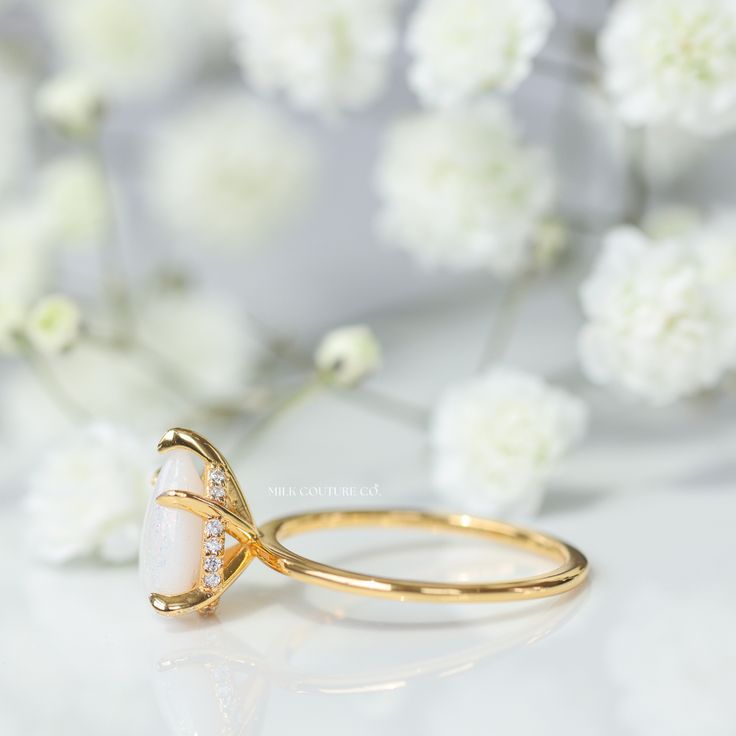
{"x": 502, "y": 234}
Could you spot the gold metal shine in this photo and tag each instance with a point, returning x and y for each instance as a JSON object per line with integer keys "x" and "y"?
{"x": 266, "y": 544}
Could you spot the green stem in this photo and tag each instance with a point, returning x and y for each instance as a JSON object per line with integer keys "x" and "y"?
{"x": 639, "y": 193}
{"x": 113, "y": 284}
{"x": 50, "y": 383}
{"x": 388, "y": 406}
{"x": 267, "y": 420}
{"x": 566, "y": 70}
{"x": 501, "y": 329}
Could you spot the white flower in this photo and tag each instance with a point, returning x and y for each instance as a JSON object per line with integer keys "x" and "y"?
{"x": 464, "y": 48}
{"x": 459, "y": 190}
{"x": 87, "y": 497}
{"x": 672, "y": 658}
{"x": 227, "y": 169}
{"x": 74, "y": 199}
{"x": 30, "y": 421}
{"x": 71, "y": 103}
{"x": 15, "y": 129}
{"x": 655, "y": 326}
{"x": 326, "y": 55}
{"x": 128, "y": 48}
{"x": 203, "y": 338}
{"x": 53, "y": 324}
{"x": 672, "y": 61}
{"x": 23, "y": 252}
{"x": 347, "y": 355}
{"x": 496, "y": 439}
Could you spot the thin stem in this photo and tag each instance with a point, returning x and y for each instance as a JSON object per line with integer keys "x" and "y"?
{"x": 566, "y": 70}
{"x": 113, "y": 283}
{"x": 266, "y": 421}
{"x": 586, "y": 227}
{"x": 506, "y": 315}
{"x": 392, "y": 407}
{"x": 50, "y": 383}
{"x": 640, "y": 193}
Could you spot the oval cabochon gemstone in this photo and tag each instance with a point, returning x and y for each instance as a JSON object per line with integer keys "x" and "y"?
{"x": 171, "y": 541}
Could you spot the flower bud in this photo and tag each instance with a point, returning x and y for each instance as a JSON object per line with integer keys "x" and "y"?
{"x": 70, "y": 104}
{"x": 53, "y": 324}
{"x": 347, "y": 355}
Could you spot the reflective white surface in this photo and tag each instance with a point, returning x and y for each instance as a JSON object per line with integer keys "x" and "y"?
{"x": 82, "y": 653}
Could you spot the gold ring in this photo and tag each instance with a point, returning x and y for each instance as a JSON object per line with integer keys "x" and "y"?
{"x": 219, "y": 509}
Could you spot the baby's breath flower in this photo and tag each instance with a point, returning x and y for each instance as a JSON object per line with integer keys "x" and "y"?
{"x": 71, "y": 103}
{"x": 657, "y": 326}
{"x": 348, "y": 355}
{"x": 53, "y": 324}
{"x": 459, "y": 190}
{"x": 464, "y": 48}
{"x": 87, "y": 497}
{"x": 672, "y": 62}
{"x": 497, "y": 438}
{"x": 325, "y": 55}
{"x": 226, "y": 170}
{"x": 128, "y": 48}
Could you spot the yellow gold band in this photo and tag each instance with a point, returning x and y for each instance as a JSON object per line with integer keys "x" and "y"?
{"x": 224, "y": 512}
{"x": 570, "y": 573}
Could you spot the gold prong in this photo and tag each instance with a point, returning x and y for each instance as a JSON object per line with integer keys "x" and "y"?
{"x": 190, "y": 440}
{"x": 206, "y": 509}
{"x": 175, "y": 605}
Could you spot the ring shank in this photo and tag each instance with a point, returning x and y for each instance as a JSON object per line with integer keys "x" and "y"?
{"x": 573, "y": 566}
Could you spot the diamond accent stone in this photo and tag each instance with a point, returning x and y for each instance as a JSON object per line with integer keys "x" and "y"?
{"x": 212, "y": 564}
{"x": 212, "y": 580}
{"x": 214, "y": 528}
{"x": 218, "y": 493}
{"x": 213, "y": 546}
{"x": 217, "y": 477}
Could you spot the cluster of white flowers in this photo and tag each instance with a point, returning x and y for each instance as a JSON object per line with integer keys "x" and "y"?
{"x": 87, "y": 497}
{"x": 226, "y": 169}
{"x": 659, "y": 325}
{"x": 128, "y": 48}
{"x": 326, "y": 55}
{"x": 464, "y": 48}
{"x": 497, "y": 438}
{"x": 672, "y": 61}
{"x": 459, "y": 189}
{"x": 204, "y": 338}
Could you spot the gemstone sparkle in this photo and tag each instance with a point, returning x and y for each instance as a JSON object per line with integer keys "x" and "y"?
{"x": 213, "y": 546}
{"x": 214, "y": 528}
{"x": 212, "y": 564}
{"x": 212, "y": 580}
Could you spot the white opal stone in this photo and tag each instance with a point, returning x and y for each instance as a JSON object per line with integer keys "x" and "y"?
{"x": 171, "y": 541}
